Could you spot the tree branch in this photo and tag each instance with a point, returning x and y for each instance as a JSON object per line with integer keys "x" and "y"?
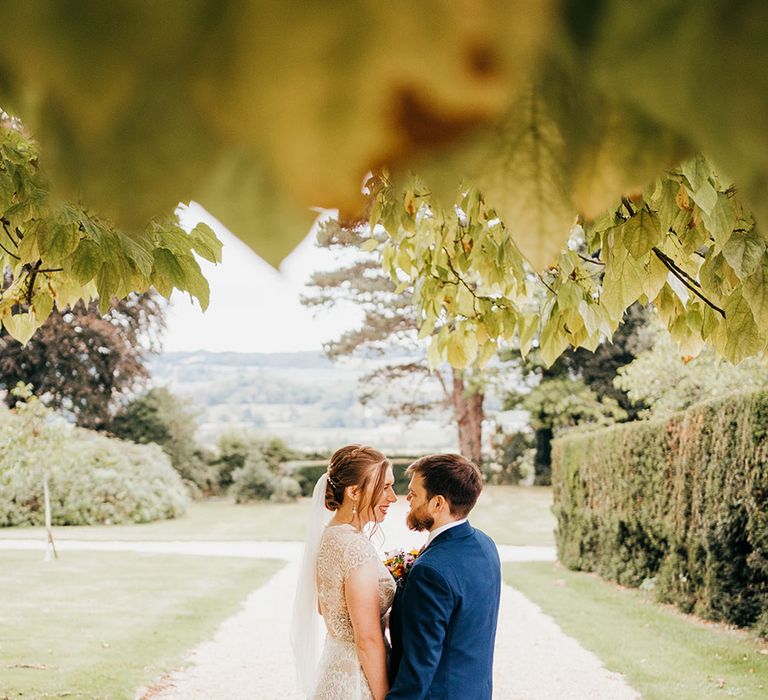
{"x": 31, "y": 283}
{"x": 538, "y": 274}
{"x": 628, "y": 206}
{"x": 7, "y": 223}
{"x": 461, "y": 279}
{"x": 689, "y": 282}
{"x": 590, "y": 260}
{"x": 8, "y": 252}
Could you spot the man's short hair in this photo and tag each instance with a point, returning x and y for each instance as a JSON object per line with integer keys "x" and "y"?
{"x": 451, "y": 476}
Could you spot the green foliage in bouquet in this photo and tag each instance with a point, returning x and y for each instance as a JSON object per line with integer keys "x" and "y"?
{"x": 678, "y": 504}
{"x": 93, "y": 479}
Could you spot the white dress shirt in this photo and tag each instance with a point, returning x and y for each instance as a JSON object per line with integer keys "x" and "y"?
{"x": 434, "y": 533}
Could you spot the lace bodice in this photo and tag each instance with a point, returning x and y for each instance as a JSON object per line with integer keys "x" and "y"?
{"x": 342, "y": 549}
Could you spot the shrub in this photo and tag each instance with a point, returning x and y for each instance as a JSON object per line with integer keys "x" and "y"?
{"x": 92, "y": 479}
{"x": 681, "y": 502}
{"x": 254, "y": 468}
{"x": 255, "y": 481}
{"x": 234, "y": 449}
{"x": 162, "y": 418}
{"x": 511, "y": 458}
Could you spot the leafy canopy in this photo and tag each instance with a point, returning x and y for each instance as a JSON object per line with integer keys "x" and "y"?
{"x": 549, "y": 109}
{"x": 686, "y": 243}
{"x": 262, "y": 110}
{"x": 55, "y": 254}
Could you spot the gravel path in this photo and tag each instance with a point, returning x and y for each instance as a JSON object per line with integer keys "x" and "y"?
{"x": 249, "y": 658}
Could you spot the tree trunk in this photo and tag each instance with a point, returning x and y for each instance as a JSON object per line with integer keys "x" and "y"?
{"x": 468, "y": 414}
{"x": 542, "y": 461}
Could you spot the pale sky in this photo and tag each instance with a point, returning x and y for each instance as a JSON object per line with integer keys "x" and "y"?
{"x": 253, "y": 307}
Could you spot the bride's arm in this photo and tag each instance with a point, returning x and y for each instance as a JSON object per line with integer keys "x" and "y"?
{"x": 361, "y": 590}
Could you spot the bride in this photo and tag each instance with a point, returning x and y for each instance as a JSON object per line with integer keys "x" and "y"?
{"x": 343, "y": 578}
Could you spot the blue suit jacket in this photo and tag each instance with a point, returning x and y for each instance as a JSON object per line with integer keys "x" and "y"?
{"x": 443, "y": 621}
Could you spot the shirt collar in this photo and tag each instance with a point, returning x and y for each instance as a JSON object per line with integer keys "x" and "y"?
{"x": 443, "y": 528}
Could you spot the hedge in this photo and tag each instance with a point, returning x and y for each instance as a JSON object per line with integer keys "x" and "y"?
{"x": 678, "y": 505}
{"x": 92, "y": 479}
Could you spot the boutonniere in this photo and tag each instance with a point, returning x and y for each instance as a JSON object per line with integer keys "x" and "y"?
{"x": 399, "y": 563}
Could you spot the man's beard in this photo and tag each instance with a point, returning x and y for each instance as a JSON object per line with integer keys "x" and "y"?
{"x": 418, "y": 520}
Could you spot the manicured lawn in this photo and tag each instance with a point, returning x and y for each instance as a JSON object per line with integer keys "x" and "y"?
{"x": 510, "y": 514}
{"x": 100, "y": 625}
{"x": 662, "y": 653}
{"x": 205, "y": 520}
{"x": 520, "y": 515}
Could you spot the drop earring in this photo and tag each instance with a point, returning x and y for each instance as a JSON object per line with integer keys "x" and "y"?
{"x": 354, "y": 507}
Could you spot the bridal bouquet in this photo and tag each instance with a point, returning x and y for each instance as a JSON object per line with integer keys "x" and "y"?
{"x": 399, "y": 562}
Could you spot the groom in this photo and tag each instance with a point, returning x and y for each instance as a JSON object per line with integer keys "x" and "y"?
{"x": 443, "y": 620}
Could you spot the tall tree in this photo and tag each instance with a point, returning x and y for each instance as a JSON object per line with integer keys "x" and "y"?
{"x": 81, "y": 361}
{"x": 408, "y": 387}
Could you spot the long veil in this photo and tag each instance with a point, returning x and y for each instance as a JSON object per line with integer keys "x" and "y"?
{"x": 306, "y": 623}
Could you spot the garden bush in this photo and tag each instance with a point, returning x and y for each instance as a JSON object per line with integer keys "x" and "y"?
{"x": 679, "y": 505}
{"x": 92, "y": 479}
{"x": 254, "y": 468}
{"x": 162, "y": 418}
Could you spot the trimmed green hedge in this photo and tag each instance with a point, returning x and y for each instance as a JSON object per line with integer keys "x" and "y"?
{"x": 680, "y": 505}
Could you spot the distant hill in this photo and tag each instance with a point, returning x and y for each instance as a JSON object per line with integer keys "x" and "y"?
{"x": 302, "y": 397}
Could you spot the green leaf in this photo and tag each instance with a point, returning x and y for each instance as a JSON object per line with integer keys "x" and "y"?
{"x": 167, "y": 272}
{"x": 721, "y": 220}
{"x": 194, "y": 282}
{"x": 524, "y": 179}
{"x": 21, "y": 326}
{"x": 205, "y": 242}
{"x": 434, "y": 356}
{"x": 743, "y": 251}
{"x": 553, "y": 340}
{"x": 656, "y": 274}
{"x": 755, "y": 291}
{"x": 641, "y": 233}
{"x": 739, "y": 336}
{"x": 696, "y": 171}
{"x": 623, "y": 281}
{"x": 86, "y": 261}
{"x": 458, "y": 355}
{"x": 139, "y": 252}
{"x": 108, "y": 282}
{"x": 370, "y": 245}
{"x": 57, "y": 241}
{"x": 42, "y": 303}
{"x": 28, "y": 249}
{"x": 528, "y": 324}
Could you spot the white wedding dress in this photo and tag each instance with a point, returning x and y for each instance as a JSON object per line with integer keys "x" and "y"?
{"x": 342, "y": 549}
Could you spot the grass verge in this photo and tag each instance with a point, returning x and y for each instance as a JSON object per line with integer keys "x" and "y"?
{"x": 662, "y": 653}
{"x": 96, "y": 625}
